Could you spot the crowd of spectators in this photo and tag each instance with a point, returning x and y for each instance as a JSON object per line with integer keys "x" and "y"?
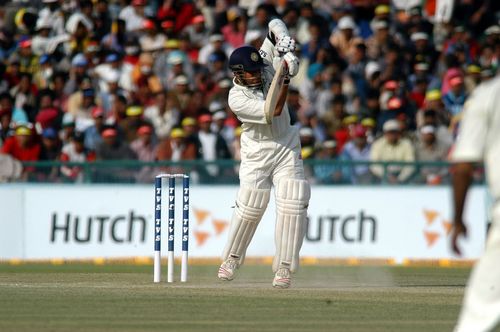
{"x": 146, "y": 80}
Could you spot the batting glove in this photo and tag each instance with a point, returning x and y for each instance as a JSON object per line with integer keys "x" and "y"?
{"x": 285, "y": 44}
{"x": 292, "y": 63}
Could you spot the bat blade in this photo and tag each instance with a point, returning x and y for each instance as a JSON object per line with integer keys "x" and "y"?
{"x": 274, "y": 92}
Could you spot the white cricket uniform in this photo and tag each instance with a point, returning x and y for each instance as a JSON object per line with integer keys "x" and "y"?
{"x": 479, "y": 139}
{"x": 268, "y": 151}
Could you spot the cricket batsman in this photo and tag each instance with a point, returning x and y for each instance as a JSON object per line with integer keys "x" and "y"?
{"x": 478, "y": 140}
{"x": 270, "y": 155}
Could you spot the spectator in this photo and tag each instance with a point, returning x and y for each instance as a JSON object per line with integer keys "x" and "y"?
{"x": 15, "y": 114}
{"x": 163, "y": 114}
{"x": 221, "y": 127}
{"x": 24, "y": 94}
{"x": 391, "y": 147}
{"x": 197, "y": 32}
{"x": 344, "y": 38}
{"x": 176, "y": 148}
{"x": 134, "y": 15}
{"x": 23, "y": 145}
{"x": 50, "y": 151}
{"x": 455, "y": 98}
{"x": 93, "y": 133}
{"x": 51, "y": 145}
{"x": 212, "y": 146}
{"x": 152, "y": 40}
{"x": 236, "y": 28}
{"x": 134, "y": 120}
{"x": 357, "y": 149}
{"x": 324, "y": 171}
{"x": 111, "y": 148}
{"x": 75, "y": 151}
{"x": 431, "y": 149}
{"x": 144, "y": 147}
{"x": 169, "y": 58}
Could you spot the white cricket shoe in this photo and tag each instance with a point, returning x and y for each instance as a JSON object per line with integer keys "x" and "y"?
{"x": 282, "y": 278}
{"x": 227, "y": 269}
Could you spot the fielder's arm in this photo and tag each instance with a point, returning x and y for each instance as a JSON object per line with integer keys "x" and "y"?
{"x": 462, "y": 179}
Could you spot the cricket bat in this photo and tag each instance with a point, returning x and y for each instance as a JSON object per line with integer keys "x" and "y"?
{"x": 274, "y": 91}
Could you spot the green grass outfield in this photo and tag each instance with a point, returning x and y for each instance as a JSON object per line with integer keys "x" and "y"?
{"x": 112, "y": 297}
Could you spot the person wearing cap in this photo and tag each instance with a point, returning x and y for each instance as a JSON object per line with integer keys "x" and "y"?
{"x": 93, "y": 133}
{"x": 176, "y": 148}
{"x": 390, "y": 110}
{"x": 74, "y": 151}
{"x": 455, "y": 98}
{"x": 430, "y": 149}
{"x": 357, "y": 149}
{"x": 163, "y": 114}
{"x": 152, "y": 40}
{"x": 28, "y": 61}
{"x": 472, "y": 77}
{"x": 113, "y": 148}
{"x": 235, "y": 29}
{"x": 429, "y": 117}
{"x": 376, "y": 43}
{"x": 170, "y": 64}
{"x": 182, "y": 94}
{"x": 325, "y": 170}
{"x": 217, "y": 66}
{"x": 270, "y": 156}
{"x": 216, "y": 43}
{"x": 134, "y": 15}
{"x": 80, "y": 105}
{"x": 77, "y": 73}
{"x": 144, "y": 147}
{"x": 220, "y": 127}
{"x": 212, "y": 146}
{"x": 67, "y": 128}
{"x": 344, "y": 38}
{"x": 197, "y": 32}
{"x": 114, "y": 70}
{"x": 434, "y": 102}
{"x": 391, "y": 147}
{"x": 43, "y": 43}
{"x": 52, "y": 12}
{"x": 133, "y": 121}
{"x": 43, "y": 77}
{"x": 50, "y": 151}
{"x": 80, "y": 27}
{"x": 23, "y": 146}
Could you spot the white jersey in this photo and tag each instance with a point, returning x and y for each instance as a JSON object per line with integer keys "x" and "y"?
{"x": 248, "y": 105}
{"x": 479, "y": 133}
{"x": 268, "y": 151}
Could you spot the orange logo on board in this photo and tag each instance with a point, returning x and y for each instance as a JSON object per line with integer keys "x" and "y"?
{"x": 434, "y": 230}
{"x": 205, "y": 230}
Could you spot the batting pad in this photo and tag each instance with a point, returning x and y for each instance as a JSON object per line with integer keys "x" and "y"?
{"x": 292, "y": 199}
{"x": 250, "y": 206}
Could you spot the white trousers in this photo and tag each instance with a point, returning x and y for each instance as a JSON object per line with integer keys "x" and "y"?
{"x": 263, "y": 163}
{"x": 481, "y": 307}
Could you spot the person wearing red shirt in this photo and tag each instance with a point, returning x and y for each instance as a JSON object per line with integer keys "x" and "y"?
{"x": 22, "y": 145}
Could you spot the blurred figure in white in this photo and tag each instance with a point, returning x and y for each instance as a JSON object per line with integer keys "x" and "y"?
{"x": 479, "y": 140}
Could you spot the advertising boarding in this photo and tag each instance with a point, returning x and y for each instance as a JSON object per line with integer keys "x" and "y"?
{"x": 100, "y": 221}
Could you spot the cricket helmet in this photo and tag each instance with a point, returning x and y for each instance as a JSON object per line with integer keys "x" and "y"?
{"x": 246, "y": 59}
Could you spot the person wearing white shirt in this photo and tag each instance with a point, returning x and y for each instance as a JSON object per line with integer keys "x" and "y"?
{"x": 479, "y": 140}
